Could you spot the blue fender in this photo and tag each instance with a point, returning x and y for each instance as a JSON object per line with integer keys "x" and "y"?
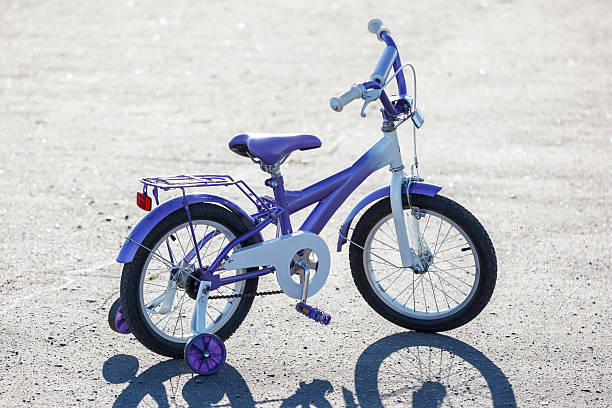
{"x": 415, "y": 188}
{"x": 142, "y": 229}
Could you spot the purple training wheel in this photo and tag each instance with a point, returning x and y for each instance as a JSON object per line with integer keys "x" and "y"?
{"x": 116, "y": 321}
{"x": 120, "y": 323}
{"x": 205, "y": 354}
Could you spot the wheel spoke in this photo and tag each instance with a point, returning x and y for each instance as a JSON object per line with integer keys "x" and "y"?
{"x": 384, "y": 243}
{"x": 396, "y": 278}
{"x": 426, "y": 224}
{"x": 207, "y": 248}
{"x": 436, "y": 249}
{"x": 385, "y": 277}
{"x": 214, "y": 308}
{"x": 450, "y": 274}
{"x": 459, "y": 290}
{"x": 448, "y": 249}
{"x": 434, "y": 294}
{"x": 154, "y": 291}
{"x": 461, "y": 267}
{"x": 435, "y": 286}
{"x": 444, "y": 292}
{"x": 382, "y": 263}
{"x": 413, "y": 290}
{"x": 181, "y": 245}
{"x": 452, "y": 259}
{"x": 167, "y": 315}
{"x": 156, "y": 284}
{"x": 438, "y": 235}
{"x": 424, "y": 297}
{"x": 384, "y": 232}
{"x": 180, "y": 317}
{"x": 381, "y": 258}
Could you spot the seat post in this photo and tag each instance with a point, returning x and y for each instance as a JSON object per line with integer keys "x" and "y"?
{"x": 277, "y": 184}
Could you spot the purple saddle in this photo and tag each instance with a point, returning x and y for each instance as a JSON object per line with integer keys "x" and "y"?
{"x": 271, "y": 148}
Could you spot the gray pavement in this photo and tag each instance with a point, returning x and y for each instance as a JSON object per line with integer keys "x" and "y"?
{"x": 517, "y": 98}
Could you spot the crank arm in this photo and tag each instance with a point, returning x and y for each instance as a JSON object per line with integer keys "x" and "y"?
{"x": 304, "y": 273}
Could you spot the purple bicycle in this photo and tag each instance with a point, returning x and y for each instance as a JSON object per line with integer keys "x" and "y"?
{"x": 191, "y": 265}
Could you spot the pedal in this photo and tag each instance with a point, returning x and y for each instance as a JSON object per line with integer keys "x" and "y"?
{"x": 313, "y": 313}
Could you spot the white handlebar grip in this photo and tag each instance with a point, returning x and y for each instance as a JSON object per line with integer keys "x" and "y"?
{"x": 338, "y": 103}
{"x": 374, "y": 25}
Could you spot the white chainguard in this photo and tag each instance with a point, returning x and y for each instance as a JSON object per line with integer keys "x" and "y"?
{"x": 279, "y": 253}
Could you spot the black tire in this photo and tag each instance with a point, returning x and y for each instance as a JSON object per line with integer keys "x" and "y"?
{"x": 467, "y": 222}
{"x": 131, "y": 276}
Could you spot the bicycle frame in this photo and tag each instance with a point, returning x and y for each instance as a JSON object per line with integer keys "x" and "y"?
{"x": 329, "y": 193}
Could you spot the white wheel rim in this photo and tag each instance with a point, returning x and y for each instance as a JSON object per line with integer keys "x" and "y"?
{"x": 175, "y": 326}
{"x": 412, "y": 299}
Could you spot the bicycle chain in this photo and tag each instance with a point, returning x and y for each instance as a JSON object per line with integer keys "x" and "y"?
{"x": 250, "y": 294}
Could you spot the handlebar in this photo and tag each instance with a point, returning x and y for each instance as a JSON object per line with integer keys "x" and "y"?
{"x": 338, "y": 103}
{"x": 381, "y": 71}
{"x": 389, "y": 58}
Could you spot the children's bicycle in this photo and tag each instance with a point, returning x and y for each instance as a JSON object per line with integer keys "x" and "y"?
{"x": 192, "y": 264}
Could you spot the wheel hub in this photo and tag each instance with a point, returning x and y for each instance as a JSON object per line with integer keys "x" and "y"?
{"x": 180, "y": 275}
{"x": 426, "y": 261}
{"x": 192, "y": 284}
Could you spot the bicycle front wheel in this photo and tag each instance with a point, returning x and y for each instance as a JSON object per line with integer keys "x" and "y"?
{"x": 459, "y": 259}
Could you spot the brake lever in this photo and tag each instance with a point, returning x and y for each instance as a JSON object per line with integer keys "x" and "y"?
{"x": 369, "y": 96}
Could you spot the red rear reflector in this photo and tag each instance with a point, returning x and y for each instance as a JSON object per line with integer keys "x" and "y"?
{"x": 143, "y": 201}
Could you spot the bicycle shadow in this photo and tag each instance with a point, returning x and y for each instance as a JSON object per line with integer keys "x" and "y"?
{"x": 195, "y": 390}
{"x": 421, "y": 370}
{"x": 427, "y": 370}
{"x": 200, "y": 391}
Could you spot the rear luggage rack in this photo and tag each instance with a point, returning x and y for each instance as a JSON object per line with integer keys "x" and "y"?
{"x": 186, "y": 181}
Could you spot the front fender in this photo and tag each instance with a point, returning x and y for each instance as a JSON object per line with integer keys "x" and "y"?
{"x": 142, "y": 229}
{"x": 415, "y": 188}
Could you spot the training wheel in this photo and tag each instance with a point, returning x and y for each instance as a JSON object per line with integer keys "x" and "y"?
{"x": 205, "y": 353}
{"x": 116, "y": 321}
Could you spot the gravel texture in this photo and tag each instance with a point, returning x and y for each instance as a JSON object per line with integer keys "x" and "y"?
{"x": 517, "y": 99}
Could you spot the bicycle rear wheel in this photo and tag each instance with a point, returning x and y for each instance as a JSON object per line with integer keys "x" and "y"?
{"x": 161, "y": 320}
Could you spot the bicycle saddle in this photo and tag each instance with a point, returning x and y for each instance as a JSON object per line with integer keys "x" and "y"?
{"x": 271, "y": 148}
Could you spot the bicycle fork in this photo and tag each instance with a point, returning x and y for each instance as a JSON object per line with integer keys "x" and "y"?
{"x": 402, "y": 229}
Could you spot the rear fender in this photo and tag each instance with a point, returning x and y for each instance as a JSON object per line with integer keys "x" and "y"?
{"x": 142, "y": 229}
{"x": 415, "y": 188}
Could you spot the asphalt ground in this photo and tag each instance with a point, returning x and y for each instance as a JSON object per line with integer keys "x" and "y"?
{"x": 517, "y": 102}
